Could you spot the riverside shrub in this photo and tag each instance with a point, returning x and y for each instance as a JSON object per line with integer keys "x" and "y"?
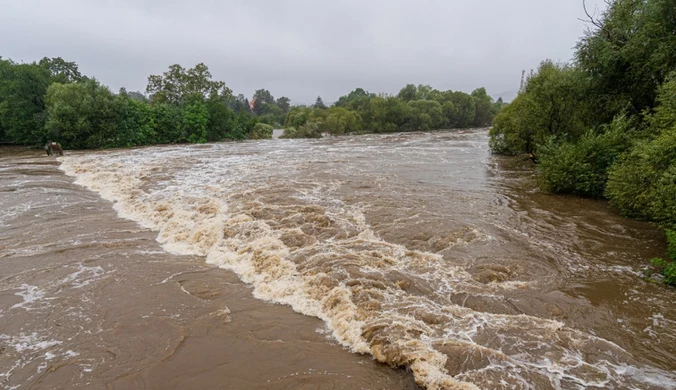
{"x": 261, "y": 131}
{"x": 581, "y": 167}
{"x": 642, "y": 184}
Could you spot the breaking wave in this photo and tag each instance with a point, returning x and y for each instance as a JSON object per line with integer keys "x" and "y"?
{"x": 286, "y": 230}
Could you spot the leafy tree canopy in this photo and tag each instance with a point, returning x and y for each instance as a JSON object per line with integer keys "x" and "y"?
{"x": 174, "y": 85}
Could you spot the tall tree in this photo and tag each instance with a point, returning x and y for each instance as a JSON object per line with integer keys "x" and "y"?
{"x": 177, "y": 83}
{"x": 357, "y": 99}
{"x": 484, "y": 107}
{"x": 319, "y": 103}
{"x": 168, "y": 122}
{"x": 62, "y": 71}
{"x": 627, "y": 55}
{"x": 82, "y": 115}
{"x": 240, "y": 104}
{"x": 408, "y": 93}
{"x": 22, "y": 104}
{"x": 135, "y": 125}
{"x": 262, "y": 99}
{"x": 284, "y": 103}
{"x": 195, "y": 115}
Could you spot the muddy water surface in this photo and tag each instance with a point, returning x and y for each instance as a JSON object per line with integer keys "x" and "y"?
{"x": 164, "y": 267}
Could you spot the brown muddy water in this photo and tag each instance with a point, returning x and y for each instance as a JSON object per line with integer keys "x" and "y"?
{"x": 307, "y": 264}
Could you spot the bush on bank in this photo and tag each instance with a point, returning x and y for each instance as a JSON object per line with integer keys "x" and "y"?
{"x": 581, "y": 167}
{"x": 261, "y": 131}
{"x": 605, "y": 125}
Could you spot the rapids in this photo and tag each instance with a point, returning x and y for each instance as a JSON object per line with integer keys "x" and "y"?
{"x": 420, "y": 249}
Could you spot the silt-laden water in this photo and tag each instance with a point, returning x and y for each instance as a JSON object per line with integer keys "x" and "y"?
{"x": 420, "y": 250}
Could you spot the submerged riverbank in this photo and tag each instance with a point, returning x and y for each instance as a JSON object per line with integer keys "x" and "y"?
{"x": 420, "y": 249}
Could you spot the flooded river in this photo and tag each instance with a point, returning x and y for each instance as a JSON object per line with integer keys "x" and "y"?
{"x": 371, "y": 262}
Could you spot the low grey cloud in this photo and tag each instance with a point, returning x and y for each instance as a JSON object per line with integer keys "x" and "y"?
{"x": 299, "y": 48}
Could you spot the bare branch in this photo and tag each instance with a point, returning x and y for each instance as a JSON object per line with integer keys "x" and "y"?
{"x": 591, "y": 18}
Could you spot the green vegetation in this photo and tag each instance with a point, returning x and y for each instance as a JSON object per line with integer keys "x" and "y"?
{"x": 51, "y": 100}
{"x": 551, "y": 105}
{"x": 667, "y": 267}
{"x": 261, "y": 131}
{"x": 580, "y": 166}
{"x": 414, "y": 108}
{"x": 605, "y": 126}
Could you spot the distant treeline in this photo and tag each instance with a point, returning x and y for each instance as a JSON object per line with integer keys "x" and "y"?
{"x": 605, "y": 126}
{"x": 50, "y": 100}
{"x": 414, "y": 108}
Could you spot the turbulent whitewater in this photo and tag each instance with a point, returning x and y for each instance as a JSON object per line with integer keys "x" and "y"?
{"x": 422, "y": 250}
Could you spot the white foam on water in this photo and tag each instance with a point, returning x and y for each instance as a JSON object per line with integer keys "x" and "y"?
{"x": 30, "y": 295}
{"x": 207, "y": 205}
{"x": 83, "y": 276}
{"x": 29, "y": 348}
{"x": 30, "y": 342}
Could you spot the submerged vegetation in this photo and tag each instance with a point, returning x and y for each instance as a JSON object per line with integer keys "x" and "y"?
{"x": 667, "y": 268}
{"x": 605, "y": 125}
{"x": 51, "y": 100}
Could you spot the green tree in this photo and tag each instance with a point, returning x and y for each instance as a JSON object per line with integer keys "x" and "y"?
{"x": 463, "y": 111}
{"x": 643, "y": 183}
{"x": 284, "y": 103}
{"x": 627, "y": 55}
{"x": 168, "y": 122}
{"x": 356, "y": 100}
{"x": 220, "y": 122}
{"x": 581, "y": 167}
{"x": 61, "y": 71}
{"x": 408, "y": 93}
{"x": 22, "y": 105}
{"x": 242, "y": 126}
{"x": 136, "y": 124}
{"x": 311, "y": 129}
{"x": 385, "y": 114}
{"x": 297, "y": 116}
{"x": 422, "y": 92}
{"x": 178, "y": 83}
{"x": 82, "y": 115}
{"x": 425, "y": 92}
{"x": 271, "y": 114}
{"x": 319, "y": 103}
{"x": 240, "y": 104}
{"x": 424, "y": 115}
{"x": 606, "y": 124}
{"x": 261, "y": 131}
{"x": 511, "y": 134}
{"x": 195, "y": 119}
{"x": 663, "y": 117}
{"x": 341, "y": 121}
{"x": 138, "y": 96}
{"x": 263, "y": 102}
{"x": 497, "y": 107}
{"x": 552, "y": 104}
{"x": 483, "y": 115}
{"x": 264, "y": 96}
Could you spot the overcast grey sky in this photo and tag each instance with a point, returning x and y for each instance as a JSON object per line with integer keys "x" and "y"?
{"x": 299, "y": 48}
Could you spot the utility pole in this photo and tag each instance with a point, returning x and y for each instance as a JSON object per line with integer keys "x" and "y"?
{"x": 523, "y": 80}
